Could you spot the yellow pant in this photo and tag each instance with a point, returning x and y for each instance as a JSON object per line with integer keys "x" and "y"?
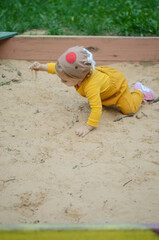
{"x": 128, "y": 102}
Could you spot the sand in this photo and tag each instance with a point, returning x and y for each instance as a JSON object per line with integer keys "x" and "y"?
{"x": 50, "y": 175}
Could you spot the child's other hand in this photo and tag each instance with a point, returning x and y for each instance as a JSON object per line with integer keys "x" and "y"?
{"x": 35, "y": 66}
{"x": 84, "y": 130}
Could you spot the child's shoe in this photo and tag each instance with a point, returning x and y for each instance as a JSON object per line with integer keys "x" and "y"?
{"x": 148, "y": 93}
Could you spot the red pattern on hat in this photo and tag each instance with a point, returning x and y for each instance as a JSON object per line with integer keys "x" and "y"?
{"x": 71, "y": 57}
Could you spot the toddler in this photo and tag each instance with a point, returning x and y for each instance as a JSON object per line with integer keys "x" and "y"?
{"x": 100, "y": 85}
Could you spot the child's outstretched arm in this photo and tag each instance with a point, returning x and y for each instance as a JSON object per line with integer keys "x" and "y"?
{"x": 39, "y": 67}
{"x": 96, "y": 110}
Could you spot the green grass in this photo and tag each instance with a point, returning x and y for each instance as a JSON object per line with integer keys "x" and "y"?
{"x": 82, "y": 17}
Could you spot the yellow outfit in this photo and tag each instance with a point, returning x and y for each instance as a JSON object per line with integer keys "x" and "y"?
{"x": 106, "y": 86}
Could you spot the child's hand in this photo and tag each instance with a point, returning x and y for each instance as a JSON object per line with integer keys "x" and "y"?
{"x": 39, "y": 67}
{"x": 83, "y": 130}
{"x": 35, "y": 66}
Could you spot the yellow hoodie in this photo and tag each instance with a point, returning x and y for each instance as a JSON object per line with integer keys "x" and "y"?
{"x": 106, "y": 86}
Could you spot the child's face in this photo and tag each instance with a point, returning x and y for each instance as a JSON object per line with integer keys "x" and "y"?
{"x": 69, "y": 81}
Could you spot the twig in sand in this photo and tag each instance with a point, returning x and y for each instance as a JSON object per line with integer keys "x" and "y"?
{"x": 127, "y": 183}
{"x": 87, "y": 165}
{"x": 155, "y": 100}
{"x": 12, "y": 179}
{"x": 129, "y": 115}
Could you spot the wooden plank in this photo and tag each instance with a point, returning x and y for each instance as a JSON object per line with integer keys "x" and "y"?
{"x": 79, "y": 235}
{"x": 105, "y": 49}
{"x": 80, "y": 231}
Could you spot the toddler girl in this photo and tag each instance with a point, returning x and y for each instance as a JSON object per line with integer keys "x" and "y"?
{"x": 100, "y": 85}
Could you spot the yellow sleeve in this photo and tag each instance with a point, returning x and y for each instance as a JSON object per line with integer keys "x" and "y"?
{"x": 93, "y": 95}
{"x": 51, "y": 68}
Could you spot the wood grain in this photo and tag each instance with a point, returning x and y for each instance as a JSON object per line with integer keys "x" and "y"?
{"x": 105, "y": 49}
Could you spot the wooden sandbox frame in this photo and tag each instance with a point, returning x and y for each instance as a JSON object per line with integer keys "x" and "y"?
{"x": 106, "y": 50}
{"x": 79, "y": 231}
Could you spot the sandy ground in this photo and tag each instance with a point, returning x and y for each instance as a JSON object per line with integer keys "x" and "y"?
{"x": 49, "y": 175}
